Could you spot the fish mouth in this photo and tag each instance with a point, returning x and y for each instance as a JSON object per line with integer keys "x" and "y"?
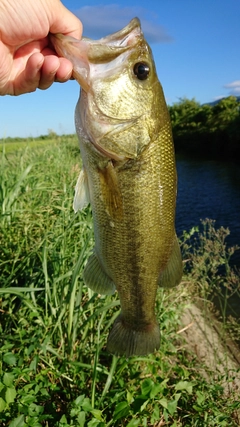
{"x": 86, "y": 53}
{"x": 76, "y": 52}
{"x": 94, "y": 60}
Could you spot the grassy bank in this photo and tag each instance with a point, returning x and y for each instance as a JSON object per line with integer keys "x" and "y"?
{"x": 11, "y": 145}
{"x": 54, "y": 370}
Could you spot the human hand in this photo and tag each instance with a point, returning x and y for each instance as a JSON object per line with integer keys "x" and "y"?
{"x": 27, "y": 59}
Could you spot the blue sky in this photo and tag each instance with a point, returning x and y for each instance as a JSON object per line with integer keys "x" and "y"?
{"x": 195, "y": 45}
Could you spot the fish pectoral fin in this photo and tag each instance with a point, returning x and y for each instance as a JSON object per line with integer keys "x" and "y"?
{"x": 172, "y": 274}
{"x": 95, "y": 277}
{"x": 110, "y": 190}
{"x": 81, "y": 197}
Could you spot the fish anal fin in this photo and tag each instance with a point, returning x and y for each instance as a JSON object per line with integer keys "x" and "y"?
{"x": 111, "y": 193}
{"x": 172, "y": 274}
{"x": 81, "y": 197}
{"x": 95, "y": 277}
{"x": 124, "y": 340}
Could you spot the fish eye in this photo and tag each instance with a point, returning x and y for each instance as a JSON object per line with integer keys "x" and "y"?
{"x": 141, "y": 70}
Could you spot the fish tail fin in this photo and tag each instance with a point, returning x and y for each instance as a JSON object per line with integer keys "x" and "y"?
{"x": 124, "y": 340}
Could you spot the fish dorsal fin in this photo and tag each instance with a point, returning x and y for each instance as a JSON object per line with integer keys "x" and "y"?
{"x": 110, "y": 190}
{"x": 81, "y": 197}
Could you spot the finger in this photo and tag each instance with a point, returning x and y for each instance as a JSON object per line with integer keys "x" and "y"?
{"x": 54, "y": 69}
{"x": 41, "y": 70}
{"x": 64, "y": 72}
{"x": 28, "y": 79}
{"x": 48, "y": 71}
{"x": 66, "y": 22}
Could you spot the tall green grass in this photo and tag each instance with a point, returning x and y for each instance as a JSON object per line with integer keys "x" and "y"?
{"x": 215, "y": 284}
{"x": 54, "y": 370}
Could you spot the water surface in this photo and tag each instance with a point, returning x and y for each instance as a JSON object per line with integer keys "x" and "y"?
{"x": 209, "y": 189}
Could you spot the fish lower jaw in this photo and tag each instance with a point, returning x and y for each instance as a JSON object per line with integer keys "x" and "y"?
{"x": 125, "y": 339}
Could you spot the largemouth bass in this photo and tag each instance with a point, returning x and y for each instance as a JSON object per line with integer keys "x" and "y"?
{"x": 129, "y": 177}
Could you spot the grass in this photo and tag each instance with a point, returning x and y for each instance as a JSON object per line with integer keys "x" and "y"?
{"x": 54, "y": 370}
{"x": 11, "y": 145}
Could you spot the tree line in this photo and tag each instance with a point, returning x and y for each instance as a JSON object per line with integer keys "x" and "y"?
{"x": 210, "y": 130}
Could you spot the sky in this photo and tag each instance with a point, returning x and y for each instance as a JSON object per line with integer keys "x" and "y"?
{"x": 195, "y": 45}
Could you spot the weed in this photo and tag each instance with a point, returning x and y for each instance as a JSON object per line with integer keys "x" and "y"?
{"x": 54, "y": 369}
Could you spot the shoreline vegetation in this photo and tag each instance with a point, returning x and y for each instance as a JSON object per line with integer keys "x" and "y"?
{"x": 208, "y": 130}
{"x": 54, "y": 369}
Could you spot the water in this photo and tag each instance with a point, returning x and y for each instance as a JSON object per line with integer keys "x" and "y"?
{"x": 210, "y": 189}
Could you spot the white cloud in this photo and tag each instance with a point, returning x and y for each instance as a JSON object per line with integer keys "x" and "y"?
{"x": 234, "y": 87}
{"x": 99, "y": 21}
{"x": 217, "y": 98}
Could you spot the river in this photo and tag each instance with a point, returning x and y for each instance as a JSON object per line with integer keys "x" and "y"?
{"x": 210, "y": 189}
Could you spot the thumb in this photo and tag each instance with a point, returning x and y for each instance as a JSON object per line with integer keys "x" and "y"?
{"x": 65, "y": 22}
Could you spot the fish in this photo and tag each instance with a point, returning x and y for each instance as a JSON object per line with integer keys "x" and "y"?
{"x": 129, "y": 178}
